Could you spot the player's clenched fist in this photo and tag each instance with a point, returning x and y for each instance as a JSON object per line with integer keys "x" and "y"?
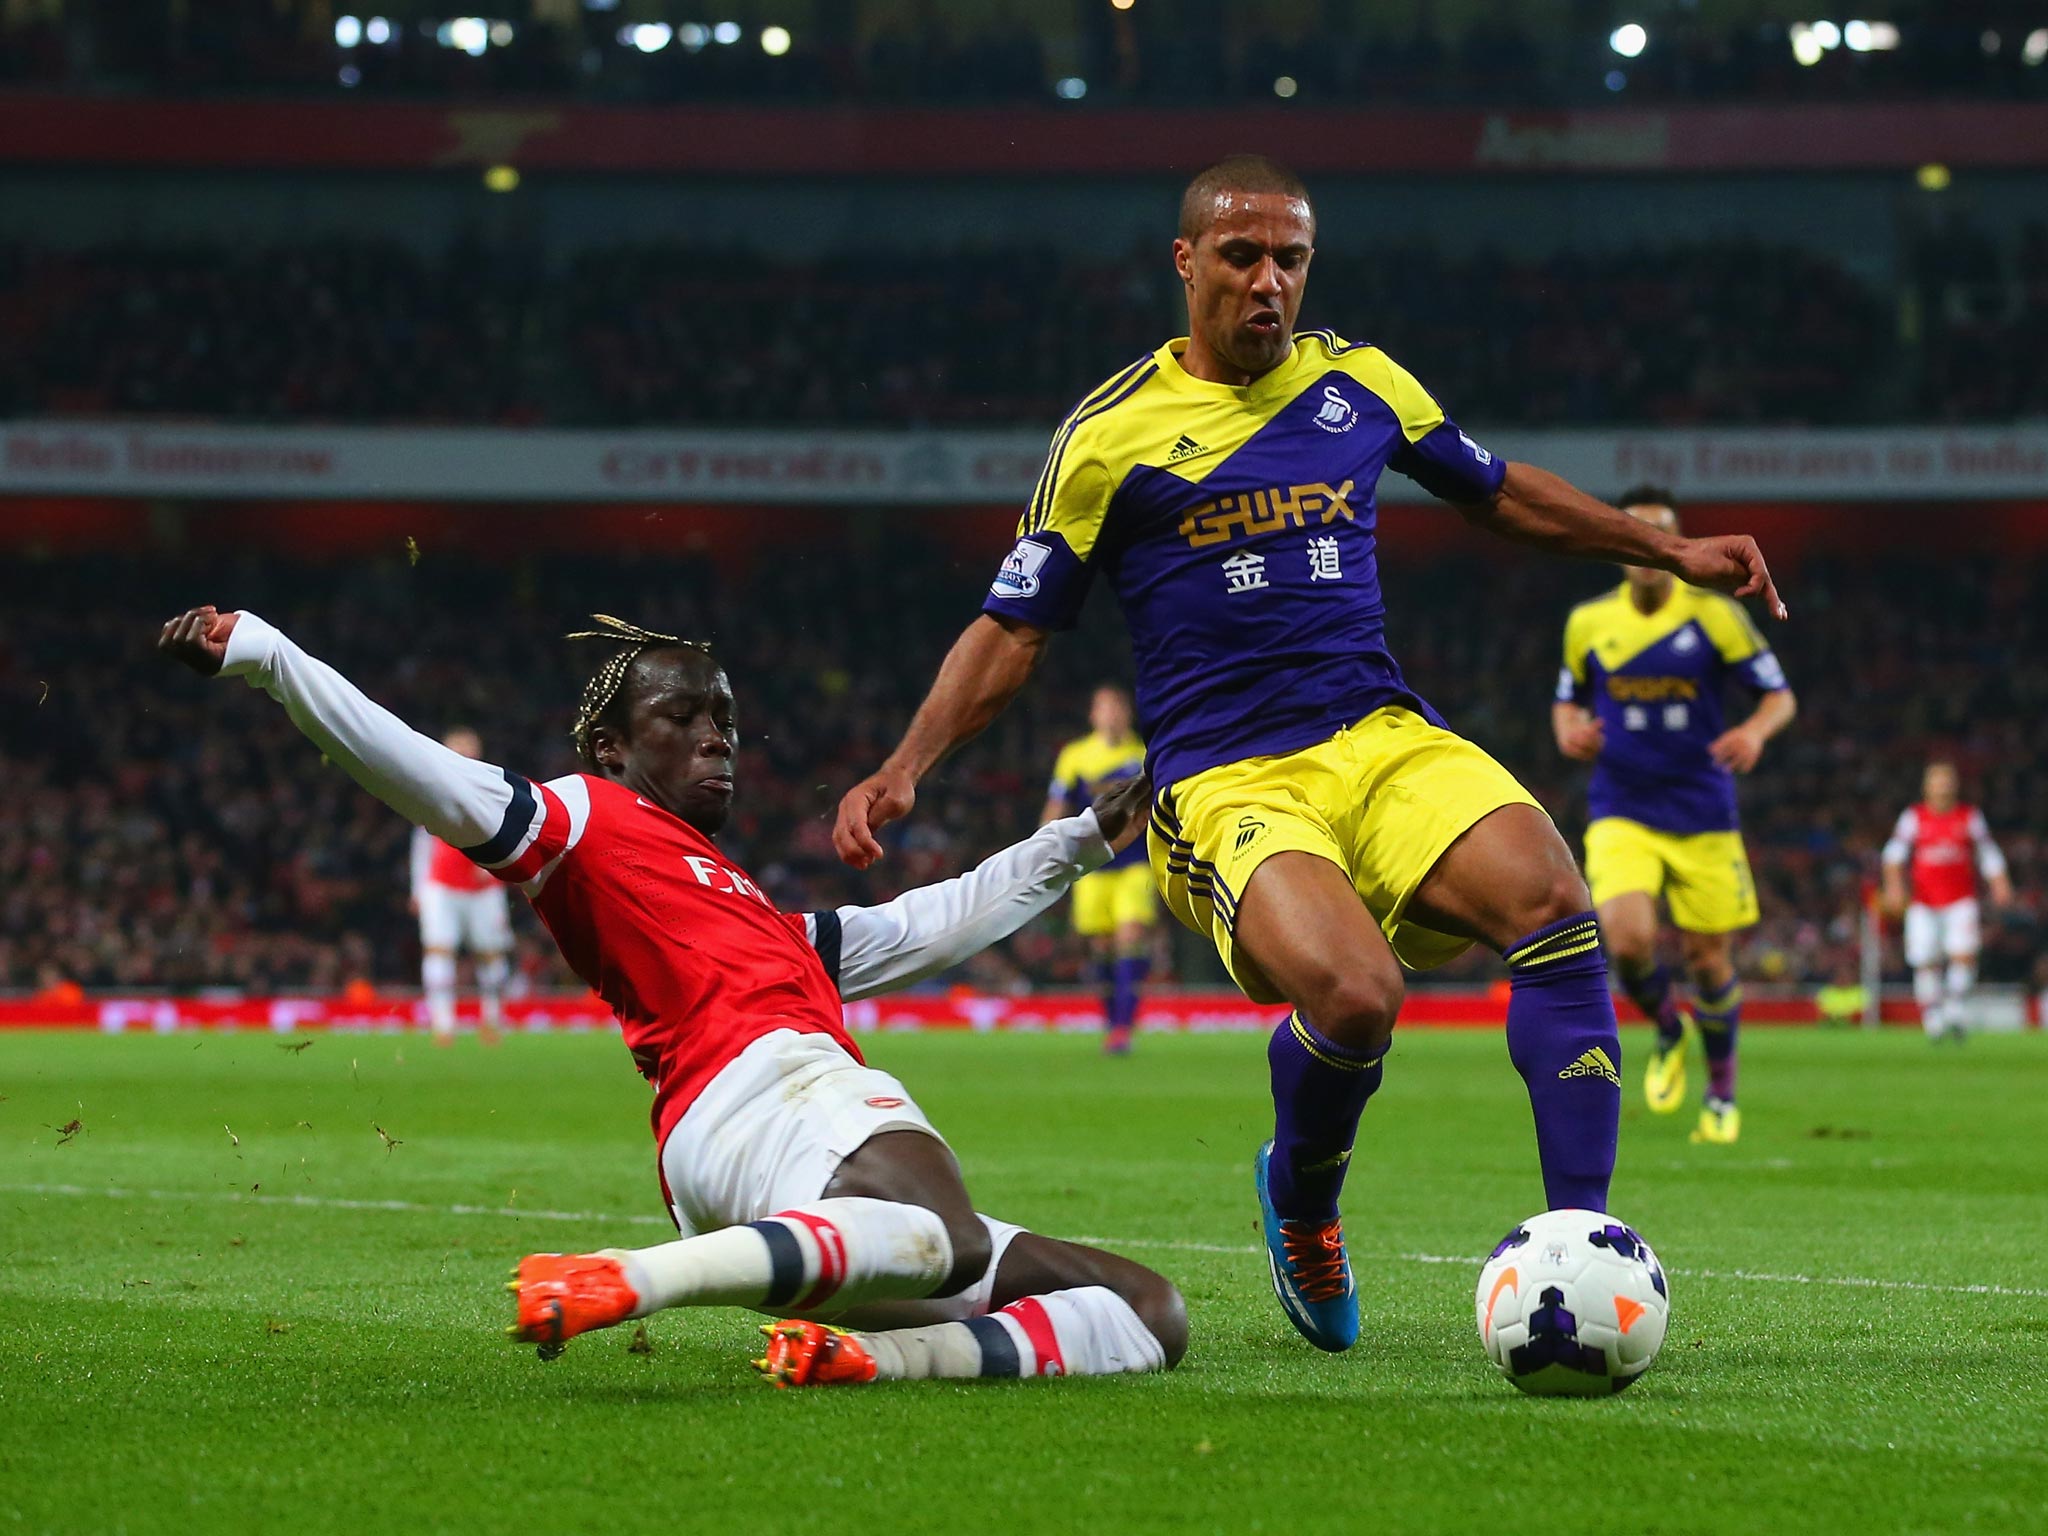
{"x": 870, "y": 805}
{"x": 198, "y": 637}
{"x": 1121, "y": 811}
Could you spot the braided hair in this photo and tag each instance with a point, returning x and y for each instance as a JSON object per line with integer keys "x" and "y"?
{"x": 602, "y": 691}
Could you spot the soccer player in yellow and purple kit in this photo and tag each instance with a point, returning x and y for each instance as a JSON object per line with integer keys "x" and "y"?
{"x": 1313, "y": 816}
{"x": 1640, "y": 697}
{"x": 1114, "y": 908}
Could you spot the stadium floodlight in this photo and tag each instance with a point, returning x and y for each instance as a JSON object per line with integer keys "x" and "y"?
{"x": 1806, "y": 47}
{"x": 348, "y": 31}
{"x": 600, "y": 5}
{"x": 501, "y": 34}
{"x": 1629, "y": 39}
{"x": 349, "y": 76}
{"x": 693, "y": 36}
{"x": 502, "y": 178}
{"x": 2035, "y": 48}
{"x": 1884, "y": 37}
{"x": 1827, "y": 34}
{"x": 1070, "y": 88}
{"x": 1933, "y": 177}
{"x": 1991, "y": 42}
{"x": 726, "y": 33}
{"x": 1615, "y": 80}
{"x": 775, "y": 41}
{"x": 471, "y": 34}
{"x": 378, "y": 30}
{"x": 1856, "y": 36}
{"x": 647, "y": 36}
{"x": 1121, "y": 5}
{"x": 1286, "y": 87}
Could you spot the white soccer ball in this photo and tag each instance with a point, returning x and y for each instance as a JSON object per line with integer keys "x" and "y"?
{"x": 1572, "y": 1304}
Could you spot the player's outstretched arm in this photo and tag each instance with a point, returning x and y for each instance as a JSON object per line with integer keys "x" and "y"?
{"x": 460, "y": 800}
{"x": 1533, "y": 506}
{"x": 935, "y": 927}
{"x": 988, "y": 664}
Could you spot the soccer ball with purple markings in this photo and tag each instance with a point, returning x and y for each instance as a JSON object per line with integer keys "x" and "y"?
{"x": 1572, "y": 1304}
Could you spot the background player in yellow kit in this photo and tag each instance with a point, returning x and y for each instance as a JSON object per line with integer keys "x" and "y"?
{"x": 1640, "y": 697}
{"x": 1114, "y": 908}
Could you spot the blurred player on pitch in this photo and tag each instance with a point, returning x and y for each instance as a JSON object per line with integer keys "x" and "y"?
{"x": 1941, "y": 838}
{"x": 1640, "y": 698}
{"x": 459, "y": 907}
{"x": 1114, "y": 908}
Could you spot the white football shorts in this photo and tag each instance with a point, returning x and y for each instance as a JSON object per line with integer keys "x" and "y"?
{"x": 479, "y": 921}
{"x": 1934, "y": 934}
{"x": 771, "y": 1129}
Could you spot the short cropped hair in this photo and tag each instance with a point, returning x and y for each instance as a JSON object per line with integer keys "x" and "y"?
{"x": 1235, "y": 173}
{"x": 1647, "y": 496}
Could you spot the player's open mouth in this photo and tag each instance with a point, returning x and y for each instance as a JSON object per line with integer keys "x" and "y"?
{"x": 1265, "y": 323}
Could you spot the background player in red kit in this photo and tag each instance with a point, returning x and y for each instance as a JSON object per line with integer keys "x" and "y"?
{"x": 802, "y": 1180}
{"x": 1947, "y": 846}
{"x": 459, "y": 907}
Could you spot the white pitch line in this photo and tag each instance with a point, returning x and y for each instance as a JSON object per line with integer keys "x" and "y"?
{"x": 1166, "y": 1245}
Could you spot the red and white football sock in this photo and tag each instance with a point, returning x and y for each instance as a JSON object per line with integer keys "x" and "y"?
{"x": 828, "y": 1255}
{"x": 437, "y": 981}
{"x": 492, "y": 972}
{"x": 1087, "y": 1331}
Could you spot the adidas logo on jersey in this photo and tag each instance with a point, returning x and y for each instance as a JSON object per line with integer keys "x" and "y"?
{"x": 1186, "y": 448}
{"x": 1593, "y": 1063}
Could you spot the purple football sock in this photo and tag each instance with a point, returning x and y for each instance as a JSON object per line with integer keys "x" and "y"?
{"x": 1653, "y": 993}
{"x": 1128, "y": 976}
{"x": 1319, "y": 1091}
{"x": 1562, "y": 1039}
{"x": 1720, "y": 1016}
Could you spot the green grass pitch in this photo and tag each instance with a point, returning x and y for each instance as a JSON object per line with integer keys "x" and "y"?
{"x": 259, "y": 1290}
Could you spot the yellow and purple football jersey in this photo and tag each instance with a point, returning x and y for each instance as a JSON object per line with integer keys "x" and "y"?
{"x": 1236, "y": 527}
{"x": 1088, "y": 767}
{"x": 1658, "y": 682}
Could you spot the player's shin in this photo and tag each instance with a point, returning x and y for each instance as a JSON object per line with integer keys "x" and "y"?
{"x": 1087, "y": 1331}
{"x": 492, "y": 972}
{"x": 1650, "y": 989}
{"x": 437, "y": 980}
{"x": 1319, "y": 1091}
{"x": 1960, "y": 980}
{"x": 1563, "y": 1040}
{"x": 828, "y": 1255}
{"x": 1125, "y": 980}
{"x": 1927, "y": 992}
{"x": 1720, "y": 1017}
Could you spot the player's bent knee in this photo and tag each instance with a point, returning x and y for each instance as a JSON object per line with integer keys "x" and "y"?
{"x": 1358, "y": 1011}
{"x": 973, "y": 1252}
{"x": 1164, "y": 1312}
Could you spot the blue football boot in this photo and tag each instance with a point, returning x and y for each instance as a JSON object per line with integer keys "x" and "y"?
{"x": 1311, "y": 1271}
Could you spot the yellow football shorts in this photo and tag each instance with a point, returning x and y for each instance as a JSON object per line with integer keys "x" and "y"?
{"x": 1110, "y": 898}
{"x": 1381, "y": 800}
{"x": 1703, "y": 875}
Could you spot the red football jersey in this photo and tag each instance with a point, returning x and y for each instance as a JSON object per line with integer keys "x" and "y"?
{"x": 688, "y": 952}
{"x": 449, "y": 867}
{"x": 1944, "y": 860}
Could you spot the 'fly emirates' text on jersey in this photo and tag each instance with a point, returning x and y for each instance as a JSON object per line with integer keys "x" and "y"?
{"x": 1657, "y": 683}
{"x": 1236, "y": 527}
{"x": 686, "y": 950}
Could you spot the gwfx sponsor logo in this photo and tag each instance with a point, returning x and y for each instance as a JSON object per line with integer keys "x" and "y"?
{"x": 1246, "y": 514}
{"x": 1650, "y": 690}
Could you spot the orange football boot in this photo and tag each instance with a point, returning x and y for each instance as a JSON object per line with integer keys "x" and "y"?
{"x": 813, "y": 1355}
{"x": 564, "y": 1294}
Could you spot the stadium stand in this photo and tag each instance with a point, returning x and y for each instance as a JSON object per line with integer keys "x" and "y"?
{"x": 369, "y": 330}
{"x": 158, "y": 833}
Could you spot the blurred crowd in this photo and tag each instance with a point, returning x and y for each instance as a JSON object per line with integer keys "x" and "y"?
{"x": 1348, "y": 52}
{"x": 366, "y": 330}
{"x": 160, "y": 831}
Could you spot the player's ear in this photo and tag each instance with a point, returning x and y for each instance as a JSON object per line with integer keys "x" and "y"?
{"x": 1184, "y": 258}
{"x": 607, "y": 749}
